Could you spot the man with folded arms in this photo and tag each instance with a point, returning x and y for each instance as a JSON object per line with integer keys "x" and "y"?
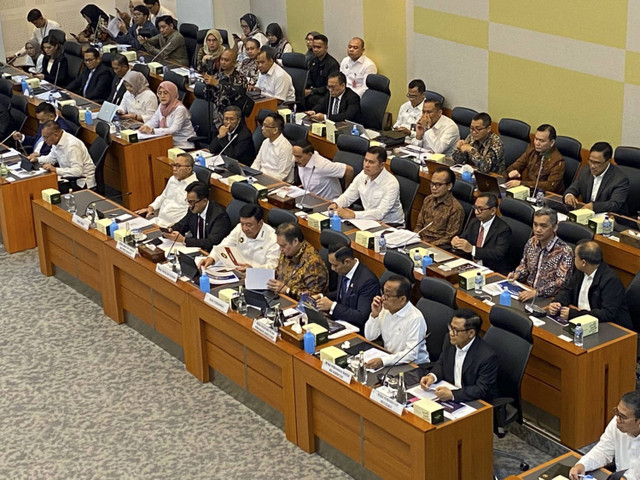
{"x": 356, "y": 66}
{"x": 254, "y": 239}
{"x": 466, "y": 361}
{"x": 317, "y": 174}
{"x": 400, "y": 324}
{"x": 482, "y": 147}
{"x": 275, "y": 156}
{"x": 377, "y": 189}
{"x": 436, "y": 132}
{"x": 603, "y": 187}
{"x": 594, "y": 289}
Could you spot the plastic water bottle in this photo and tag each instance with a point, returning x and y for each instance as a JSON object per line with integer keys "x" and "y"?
{"x": 30, "y": 89}
{"x": 417, "y": 259}
{"x": 466, "y": 176}
{"x": 192, "y": 75}
{"x": 141, "y": 59}
{"x": 505, "y": 297}
{"x": 51, "y": 98}
{"x": 242, "y": 302}
{"x": 478, "y": 284}
{"x": 113, "y": 227}
{"x": 309, "y": 340}
{"x": 205, "y": 283}
{"x": 88, "y": 119}
{"x": 361, "y": 372}
{"x": 24, "y": 87}
{"x": 293, "y": 113}
{"x": 200, "y": 160}
{"x": 382, "y": 245}
{"x": 540, "y": 199}
{"x": 354, "y": 131}
{"x": 426, "y": 263}
{"x": 336, "y": 222}
{"x": 70, "y": 202}
{"x": 578, "y": 336}
{"x": 4, "y": 170}
{"x": 607, "y": 226}
{"x": 116, "y": 123}
{"x": 401, "y": 393}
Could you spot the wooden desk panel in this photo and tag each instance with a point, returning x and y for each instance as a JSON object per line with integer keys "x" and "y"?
{"x": 570, "y": 458}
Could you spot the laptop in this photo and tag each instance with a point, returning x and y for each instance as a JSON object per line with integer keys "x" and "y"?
{"x": 234, "y": 167}
{"x": 488, "y": 183}
{"x": 28, "y": 166}
{"x": 188, "y": 267}
{"x": 107, "y": 112}
{"x": 318, "y": 317}
{"x": 261, "y": 299}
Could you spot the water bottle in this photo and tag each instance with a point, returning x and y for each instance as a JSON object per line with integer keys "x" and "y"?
{"x": 30, "y": 89}
{"x": 51, "y": 98}
{"x": 540, "y": 199}
{"x": 478, "y": 284}
{"x": 361, "y": 372}
{"x": 277, "y": 318}
{"x": 382, "y": 244}
{"x": 505, "y": 297}
{"x": 70, "y": 201}
{"x": 309, "y": 340}
{"x": 417, "y": 259}
{"x": 401, "y": 393}
{"x": 466, "y": 176}
{"x": 192, "y": 75}
{"x": 336, "y": 222}
{"x": 242, "y": 302}
{"x": 24, "y": 87}
{"x": 88, "y": 119}
{"x": 142, "y": 60}
{"x": 578, "y": 336}
{"x": 200, "y": 160}
{"x": 116, "y": 123}
{"x": 205, "y": 283}
{"x": 4, "y": 170}
{"x": 354, "y": 131}
{"x": 426, "y": 263}
{"x": 113, "y": 227}
{"x": 607, "y": 226}
{"x": 293, "y": 113}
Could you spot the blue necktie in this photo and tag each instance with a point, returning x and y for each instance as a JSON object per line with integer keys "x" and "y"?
{"x": 84, "y": 90}
{"x": 343, "y": 287}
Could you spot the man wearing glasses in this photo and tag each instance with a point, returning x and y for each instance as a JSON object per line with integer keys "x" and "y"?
{"x": 441, "y": 216}
{"x": 275, "y": 156}
{"x": 400, "y": 324}
{"x": 482, "y": 148}
{"x": 171, "y": 205}
{"x": 466, "y": 361}
{"x": 411, "y": 111}
{"x": 95, "y": 80}
{"x": 620, "y": 442}
{"x": 340, "y": 104}
{"x": 486, "y": 237}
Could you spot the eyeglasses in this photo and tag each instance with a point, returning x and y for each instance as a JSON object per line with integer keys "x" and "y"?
{"x": 268, "y": 126}
{"x": 90, "y": 60}
{"x": 389, "y": 295}
{"x": 454, "y": 331}
{"x": 477, "y": 129}
{"x": 621, "y": 417}
{"x": 177, "y": 165}
{"x": 481, "y": 209}
{"x": 193, "y": 203}
{"x": 412, "y": 96}
{"x": 438, "y": 184}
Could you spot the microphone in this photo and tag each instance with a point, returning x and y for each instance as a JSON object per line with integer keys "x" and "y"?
{"x": 225, "y": 147}
{"x": 55, "y": 80}
{"x": 301, "y": 205}
{"x": 384, "y": 377}
{"x": 404, "y": 247}
{"x": 95, "y": 202}
{"x": 162, "y": 50}
{"x": 180, "y": 232}
{"x": 532, "y": 198}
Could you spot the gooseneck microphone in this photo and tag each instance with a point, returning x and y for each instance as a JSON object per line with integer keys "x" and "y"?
{"x": 160, "y": 52}
{"x": 301, "y": 205}
{"x": 423, "y": 339}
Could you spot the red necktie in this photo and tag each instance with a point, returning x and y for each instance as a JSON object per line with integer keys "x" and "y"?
{"x": 200, "y": 227}
{"x": 480, "y": 238}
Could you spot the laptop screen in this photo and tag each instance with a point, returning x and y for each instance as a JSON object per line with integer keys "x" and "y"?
{"x": 107, "y": 112}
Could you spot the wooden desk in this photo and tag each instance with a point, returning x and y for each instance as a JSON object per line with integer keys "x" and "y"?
{"x": 569, "y": 459}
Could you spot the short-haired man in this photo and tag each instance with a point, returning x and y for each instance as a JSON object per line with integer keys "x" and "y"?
{"x": 320, "y": 67}
{"x": 248, "y": 67}
{"x": 619, "y": 442}
{"x": 441, "y": 216}
{"x": 541, "y": 166}
{"x": 128, "y": 34}
{"x": 43, "y": 27}
{"x": 171, "y": 204}
{"x": 254, "y": 240}
{"x": 94, "y": 82}
{"x": 227, "y": 86}
{"x": 466, "y": 361}
{"x": 169, "y": 44}
{"x": 377, "y": 189}
{"x": 603, "y": 187}
{"x": 317, "y": 174}
{"x": 547, "y": 261}
{"x": 69, "y": 154}
{"x": 400, "y": 324}
{"x": 594, "y": 289}
{"x": 340, "y": 104}
{"x": 275, "y": 156}
{"x": 300, "y": 268}
{"x": 356, "y": 66}
{"x": 436, "y": 132}
{"x": 235, "y": 132}
{"x": 357, "y": 287}
{"x": 120, "y": 66}
{"x": 411, "y": 111}
{"x": 206, "y": 222}
{"x": 482, "y": 147}
{"x": 487, "y": 237}
{"x": 273, "y": 80}
{"x": 157, "y": 11}
{"x": 45, "y": 112}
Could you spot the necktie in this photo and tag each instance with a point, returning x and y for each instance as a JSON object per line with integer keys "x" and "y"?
{"x": 480, "y": 238}
{"x": 343, "y": 287}
{"x": 336, "y": 105}
{"x": 200, "y": 227}
{"x": 84, "y": 90}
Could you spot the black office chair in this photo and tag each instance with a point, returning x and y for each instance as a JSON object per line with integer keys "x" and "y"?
{"x": 6, "y": 88}
{"x": 463, "y": 116}
{"x": 75, "y": 58}
{"x": 179, "y": 81}
{"x": 190, "y": 33}
{"x": 242, "y": 194}
{"x": 399, "y": 264}
{"x": 632, "y": 207}
{"x": 199, "y": 112}
{"x": 258, "y": 137}
{"x": 72, "y": 116}
{"x": 351, "y": 150}
{"x": 572, "y": 233}
{"x": 277, "y": 216}
{"x": 627, "y": 156}
{"x": 59, "y": 35}
{"x": 519, "y": 216}
{"x": 224, "y": 35}
{"x": 202, "y": 173}
{"x": 515, "y": 138}
{"x": 106, "y": 59}
{"x": 632, "y": 295}
{"x": 295, "y": 65}
{"x": 431, "y": 95}
{"x": 407, "y": 173}
{"x": 463, "y": 192}
{"x": 294, "y": 132}
{"x": 570, "y": 150}
{"x": 103, "y": 130}
{"x": 330, "y": 237}
{"x": 374, "y": 101}
{"x": 97, "y": 152}
{"x": 437, "y": 305}
{"x": 143, "y": 68}
{"x": 19, "y": 113}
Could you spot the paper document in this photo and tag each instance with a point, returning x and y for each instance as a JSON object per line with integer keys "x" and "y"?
{"x": 257, "y": 278}
{"x": 400, "y": 238}
{"x": 221, "y": 276}
{"x": 418, "y": 392}
{"x": 375, "y": 353}
{"x": 458, "y": 263}
{"x": 230, "y": 257}
{"x": 289, "y": 191}
{"x": 363, "y": 223}
{"x": 145, "y": 136}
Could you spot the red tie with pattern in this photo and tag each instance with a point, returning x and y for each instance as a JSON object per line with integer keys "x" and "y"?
{"x": 480, "y": 238}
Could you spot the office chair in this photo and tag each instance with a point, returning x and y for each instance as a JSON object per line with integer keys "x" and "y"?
{"x": 632, "y": 295}
{"x": 6, "y": 88}
{"x": 515, "y": 138}
{"x": 463, "y": 116}
{"x": 19, "y": 114}
{"x": 72, "y": 116}
{"x": 374, "y": 101}
{"x": 463, "y": 192}
{"x": 570, "y": 150}
{"x": 399, "y": 264}
{"x": 294, "y": 133}
{"x": 97, "y": 152}
{"x": 519, "y": 216}
{"x": 258, "y": 137}
{"x": 407, "y": 173}
{"x": 295, "y": 65}
{"x": 179, "y": 81}
{"x": 351, "y": 150}
{"x": 242, "y": 194}
{"x": 627, "y": 156}
{"x": 330, "y": 237}
{"x": 106, "y": 59}
{"x": 190, "y": 33}
{"x": 143, "y": 68}
{"x": 202, "y": 173}
{"x": 199, "y": 112}
{"x": 277, "y": 216}
{"x": 572, "y": 233}
{"x": 75, "y": 59}
{"x": 431, "y": 95}
{"x": 437, "y": 305}
{"x": 103, "y": 130}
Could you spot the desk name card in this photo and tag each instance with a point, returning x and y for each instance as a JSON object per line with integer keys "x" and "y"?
{"x": 340, "y": 373}
{"x": 264, "y": 330}
{"x": 81, "y": 222}
{"x": 386, "y": 402}
{"x": 167, "y": 272}
{"x": 128, "y": 250}
{"x": 216, "y": 303}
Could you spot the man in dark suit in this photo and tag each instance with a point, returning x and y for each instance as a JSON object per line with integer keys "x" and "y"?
{"x": 602, "y": 186}
{"x": 44, "y": 112}
{"x": 206, "y": 223}
{"x": 120, "y": 66}
{"x": 234, "y": 130}
{"x": 466, "y": 362}
{"x": 486, "y": 237}
{"x": 357, "y": 286}
{"x": 594, "y": 289}
{"x": 340, "y": 104}
{"x": 94, "y": 82}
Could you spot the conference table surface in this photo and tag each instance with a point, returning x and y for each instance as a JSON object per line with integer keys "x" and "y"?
{"x": 568, "y": 459}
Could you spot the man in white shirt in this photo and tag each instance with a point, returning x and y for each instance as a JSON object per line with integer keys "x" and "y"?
{"x": 319, "y": 175}
{"x": 377, "y": 189}
{"x": 401, "y": 325}
{"x": 171, "y": 204}
{"x": 356, "y": 66}
{"x": 411, "y": 111}
{"x": 157, "y": 11}
{"x": 275, "y": 156}
{"x": 620, "y": 442}
{"x": 273, "y": 80}
{"x": 42, "y": 28}
{"x": 436, "y": 132}
{"x": 254, "y": 240}
{"x": 71, "y": 156}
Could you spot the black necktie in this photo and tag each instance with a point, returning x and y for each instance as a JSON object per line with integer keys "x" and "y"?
{"x": 344, "y": 285}
{"x": 200, "y": 228}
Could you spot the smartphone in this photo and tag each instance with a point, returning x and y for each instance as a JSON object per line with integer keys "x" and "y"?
{"x": 164, "y": 230}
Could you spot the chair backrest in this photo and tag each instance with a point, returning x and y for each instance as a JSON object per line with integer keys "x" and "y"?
{"x": 190, "y": 33}
{"x": 515, "y": 138}
{"x": 179, "y": 81}
{"x": 294, "y": 132}
{"x": 258, "y": 137}
{"x": 143, "y": 68}
{"x": 295, "y": 65}
{"x": 202, "y": 173}
{"x": 224, "y": 35}
{"x": 510, "y": 336}
{"x": 97, "y": 152}
{"x": 351, "y": 150}
{"x": 570, "y": 150}
{"x": 330, "y": 237}
{"x": 519, "y": 216}
{"x": 18, "y": 119}
{"x": 20, "y": 103}
{"x": 407, "y": 173}
{"x": 277, "y": 216}
{"x": 463, "y": 116}
{"x": 632, "y": 295}
{"x": 106, "y": 59}
{"x": 399, "y": 264}
{"x": 374, "y": 101}
{"x": 437, "y": 316}
{"x": 572, "y": 232}
{"x": 242, "y": 194}
{"x": 6, "y": 88}
{"x": 103, "y": 129}
{"x": 627, "y": 156}
{"x": 199, "y": 112}
{"x": 73, "y": 52}
{"x": 463, "y": 192}
{"x": 517, "y": 209}
{"x": 59, "y": 35}
{"x": 431, "y": 95}
{"x": 633, "y": 199}
{"x": 72, "y": 116}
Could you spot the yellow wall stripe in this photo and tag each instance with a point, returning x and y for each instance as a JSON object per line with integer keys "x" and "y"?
{"x": 303, "y": 17}
{"x": 465, "y": 30}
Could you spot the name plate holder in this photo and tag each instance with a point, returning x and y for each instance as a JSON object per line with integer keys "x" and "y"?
{"x": 216, "y": 303}
{"x": 167, "y": 272}
{"x": 264, "y": 330}
{"x": 81, "y": 222}
{"x": 386, "y": 402}
{"x": 340, "y": 373}
{"x": 128, "y": 250}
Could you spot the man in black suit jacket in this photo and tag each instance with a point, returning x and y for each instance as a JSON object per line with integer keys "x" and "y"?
{"x": 235, "y": 130}
{"x": 489, "y": 248}
{"x": 594, "y": 289}
{"x": 206, "y": 223}
{"x": 602, "y": 186}
{"x": 44, "y": 112}
{"x": 120, "y": 66}
{"x": 340, "y": 104}
{"x": 477, "y": 376}
{"x": 357, "y": 286}
{"x": 94, "y": 82}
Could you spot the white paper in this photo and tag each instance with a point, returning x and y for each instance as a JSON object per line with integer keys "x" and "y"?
{"x": 375, "y": 353}
{"x": 364, "y": 224}
{"x": 461, "y": 412}
{"x": 257, "y": 278}
{"x": 124, "y": 217}
{"x": 139, "y": 223}
{"x": 418, "y": 392}
{"x": 289, "y": 191}
{"x": 145, "y": 136}
{"x": 399, "y": 238}
{"x": 457, "y": 263}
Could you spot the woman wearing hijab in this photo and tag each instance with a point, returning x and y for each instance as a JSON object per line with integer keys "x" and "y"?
{"x": 208, "y": 57}
{"x": 309, "y": 56}
{"x": 250, "y": 29}
{"x": 141, "y": 21}
{"x": 34, "y": 57}
{"x": 54, "y": 64}
{"x": 171, "y": 117}
{"x": 277, "y": 41}
{"x": 95, "y": 18}
{"x": 139, "y": 103}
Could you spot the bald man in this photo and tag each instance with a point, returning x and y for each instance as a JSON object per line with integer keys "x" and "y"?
{"x": 356, "y": 66}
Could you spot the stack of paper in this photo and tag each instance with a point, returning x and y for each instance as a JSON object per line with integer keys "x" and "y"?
{"x": 400, "y": 238}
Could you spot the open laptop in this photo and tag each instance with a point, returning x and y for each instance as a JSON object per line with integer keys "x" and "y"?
{"x": 318, "y": 317}
{"x": 488, "y": 183}
{"x": 188, "y": 267}
{"x": 234, "y": 167}
{"x": 261, "y": 299}
{"x": 107, "y": 112}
